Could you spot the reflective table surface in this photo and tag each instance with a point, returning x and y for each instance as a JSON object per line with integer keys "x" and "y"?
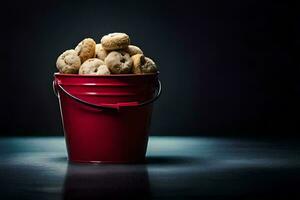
{"x": 176, "y": 168}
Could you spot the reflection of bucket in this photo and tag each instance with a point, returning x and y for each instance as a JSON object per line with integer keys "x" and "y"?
{"x": 106, "y": 118}
{"x": 106, "y": 182}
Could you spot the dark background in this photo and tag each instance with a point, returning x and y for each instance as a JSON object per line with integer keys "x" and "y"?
{"x": 226, "y": 66}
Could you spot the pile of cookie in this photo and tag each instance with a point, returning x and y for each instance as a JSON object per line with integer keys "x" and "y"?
{"x": 114, "y": 55}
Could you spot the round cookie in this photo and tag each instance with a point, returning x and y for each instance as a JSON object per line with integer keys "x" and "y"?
{"x": 91, "y": 66}
{"x": 86, "y": 49}
{"x": 100, "y": 52}
{"x": 68, "y": 62}
{"x": 137, "y": 61}
{"x": 142, "y": 64}
{"x": 103, "y": 70}
{"x": 118, "y": 62}
{"x": 132, "y": 50}
{"x": 115, "y": 41}
{"x": 149, "y": 67}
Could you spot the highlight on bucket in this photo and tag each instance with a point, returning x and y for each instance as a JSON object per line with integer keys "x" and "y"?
{"x": 106, "y": 93}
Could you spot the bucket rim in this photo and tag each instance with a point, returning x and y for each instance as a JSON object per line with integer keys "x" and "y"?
{"x": 110, "y": 75}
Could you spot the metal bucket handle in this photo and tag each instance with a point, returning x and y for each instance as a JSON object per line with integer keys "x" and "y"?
{"x": 111, "y": 107}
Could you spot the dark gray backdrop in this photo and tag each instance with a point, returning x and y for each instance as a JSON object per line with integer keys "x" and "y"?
{"x": 226, "y": 66}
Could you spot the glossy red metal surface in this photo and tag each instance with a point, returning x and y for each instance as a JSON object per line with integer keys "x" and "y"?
{"x": 114, "y": 136}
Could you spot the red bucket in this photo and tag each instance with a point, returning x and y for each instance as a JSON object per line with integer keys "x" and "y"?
{"x": 106, "y": 118}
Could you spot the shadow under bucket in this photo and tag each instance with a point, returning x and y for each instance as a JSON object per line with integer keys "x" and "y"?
{"x": 106, "y": 118}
